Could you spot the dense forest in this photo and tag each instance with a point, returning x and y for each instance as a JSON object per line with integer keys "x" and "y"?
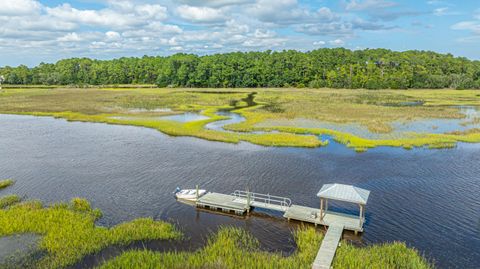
{"x": 335, "y": 68}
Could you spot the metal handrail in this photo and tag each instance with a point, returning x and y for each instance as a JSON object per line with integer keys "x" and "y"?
{"x": 264, "y": 198}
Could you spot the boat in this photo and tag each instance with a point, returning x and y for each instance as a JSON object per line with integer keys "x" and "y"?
{"x": 189, "y": 194}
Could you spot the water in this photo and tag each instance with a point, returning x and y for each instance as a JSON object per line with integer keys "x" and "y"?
{"x": 218, "y": 125}
{"x": 19, "y": 249}
{"x": 427, "y": 198}
{"x": 185, "y": 117}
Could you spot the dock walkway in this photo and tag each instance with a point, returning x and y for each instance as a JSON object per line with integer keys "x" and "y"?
{"x": 327, "y": 250}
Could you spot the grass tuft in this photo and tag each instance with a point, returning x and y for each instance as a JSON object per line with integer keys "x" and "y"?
{"x": 9, "y": 200}
{"x": 6, "y": 183}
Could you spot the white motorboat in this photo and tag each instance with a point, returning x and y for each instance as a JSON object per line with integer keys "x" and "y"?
{"x": 189, "y": 194}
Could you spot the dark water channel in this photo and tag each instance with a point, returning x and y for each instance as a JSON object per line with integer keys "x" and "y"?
{"x": 427, "y": 198}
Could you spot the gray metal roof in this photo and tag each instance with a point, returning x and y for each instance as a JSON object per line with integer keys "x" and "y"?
{"x": 346, "y": 193}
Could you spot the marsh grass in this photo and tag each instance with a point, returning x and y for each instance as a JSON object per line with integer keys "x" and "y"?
{"x": 9, "y": 200}
{"x": 69, "y": 232}
{"x": 394, "y": 255}
{"x": 372, "y": 109}
{"x": 233, "y": 248}
{"x": 5, "y": 183}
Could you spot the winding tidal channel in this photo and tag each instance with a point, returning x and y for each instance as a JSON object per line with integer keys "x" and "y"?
{"x": 427, "y": 198}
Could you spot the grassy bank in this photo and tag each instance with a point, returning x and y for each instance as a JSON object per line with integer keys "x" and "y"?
{"x": 234, "y": 248}
{"x": 68, "y": 230}
{"x": 278, "y": 110}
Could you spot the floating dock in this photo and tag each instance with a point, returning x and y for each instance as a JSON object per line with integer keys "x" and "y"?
{"x": 241, "y": 202}
{"x": 223, "y": 202}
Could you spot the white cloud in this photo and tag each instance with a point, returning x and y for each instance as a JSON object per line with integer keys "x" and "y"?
{"x": 477, "y": 14}
{"x": 288, "y": 12}
{"x": 200, "y": 14}
{"x": 369, "y": 4}
{"x": 473, "y": 26}
{"x": 319, "y": 43}
{"x": 235, "y": 27}
{"x": 70, "y": 37}
{"x": 215, "y": 3}
{"x": 264, "y": 33}
{"x": 343, "y": 29}
{"x": 126, "y": 17}
{"x": 19, "y": 7}
{"x": 444, "y": 11}
{"x": 337, "y": 42}
{"x": 177, "y": 48}
{"x": 112, "y": 36}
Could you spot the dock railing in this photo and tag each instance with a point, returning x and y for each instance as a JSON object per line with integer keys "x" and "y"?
{"x": 266, "y": 199}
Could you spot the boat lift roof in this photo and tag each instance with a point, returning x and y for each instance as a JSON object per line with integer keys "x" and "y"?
{"x": 345, "y": 193}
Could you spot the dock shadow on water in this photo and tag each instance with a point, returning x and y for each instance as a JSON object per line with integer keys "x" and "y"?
{"x": 426, "y": 198}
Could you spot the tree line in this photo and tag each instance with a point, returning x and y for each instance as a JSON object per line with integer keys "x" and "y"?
{"x": 334, "y": 68}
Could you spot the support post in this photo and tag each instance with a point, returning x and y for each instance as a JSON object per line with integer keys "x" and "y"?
{"x": 196, "y": 193}
{"x": 321, "y": 209}
{"x": 248, "y": 201}
{"x": 362, "y": 215}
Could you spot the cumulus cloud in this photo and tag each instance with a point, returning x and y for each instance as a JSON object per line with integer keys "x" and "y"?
{"x": 337, "y": 42}
{"x": 215, "y": 3}
{"x": 200, "y": 14}
{"x": 19, "y": 7}
{"x": 472, "y": 26}
{"x": 288, "y": 12}
{"x": 444, "y": 11}
{"x": 70, "y": 37}
{"x": 369, "y": 4}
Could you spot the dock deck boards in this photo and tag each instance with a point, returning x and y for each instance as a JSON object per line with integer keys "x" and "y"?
{"x": 225, "y": 202}
{"x": 262, "y": 205}
{"x": 327, "y": 250}
{"x": 312, "y": 215}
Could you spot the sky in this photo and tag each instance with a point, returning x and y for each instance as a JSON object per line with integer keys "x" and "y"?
{"x": 34, "y": 31}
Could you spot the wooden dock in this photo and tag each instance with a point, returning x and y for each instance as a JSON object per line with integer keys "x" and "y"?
{"x": 327, "y": 250}
{"x": 241, "y": 202}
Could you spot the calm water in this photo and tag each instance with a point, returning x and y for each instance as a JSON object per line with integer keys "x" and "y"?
{"x": 428, "y": 198}
{"x": 185, "y": 117}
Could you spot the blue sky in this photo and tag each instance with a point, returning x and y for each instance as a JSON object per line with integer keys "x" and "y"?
{"x": 34, "y": 31}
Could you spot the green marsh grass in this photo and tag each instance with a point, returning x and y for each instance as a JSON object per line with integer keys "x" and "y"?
{"x": 5, "y": 183}
{"x": 69, "y": 232}
{"x": 234, "y": 248}
{"x": 9, "y": 200}
{"x": 372, "y": 109}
